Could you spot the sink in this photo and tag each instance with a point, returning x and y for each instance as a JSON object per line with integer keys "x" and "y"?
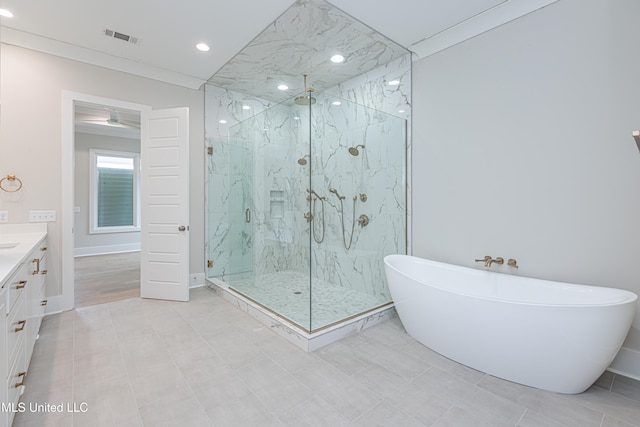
{"x": 8, "y": 245}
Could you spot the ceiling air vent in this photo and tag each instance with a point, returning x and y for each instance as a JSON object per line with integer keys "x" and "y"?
{"x": 120, "y": 36}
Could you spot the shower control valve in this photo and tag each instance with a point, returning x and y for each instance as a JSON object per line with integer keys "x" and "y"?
{"x": 308, "y": 216}
{"x": 363, "y": 220}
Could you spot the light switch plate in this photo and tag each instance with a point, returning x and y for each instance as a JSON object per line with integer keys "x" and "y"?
{"x": 42, "y": 216}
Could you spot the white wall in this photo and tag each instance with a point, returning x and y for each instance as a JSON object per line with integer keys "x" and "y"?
{"x": 522, "y": 147}
{"x": 85, "y": 242}
{"x": 30, "y": 135}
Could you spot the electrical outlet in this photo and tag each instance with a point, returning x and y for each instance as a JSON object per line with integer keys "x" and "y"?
{"x": 42, "y": 216}
{"x": 4, "y": 216}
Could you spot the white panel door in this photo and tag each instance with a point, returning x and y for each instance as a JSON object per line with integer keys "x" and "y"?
{"x": 164, "y": 240}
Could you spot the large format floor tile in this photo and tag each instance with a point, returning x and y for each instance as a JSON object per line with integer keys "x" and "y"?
{"x": 205, "y": 363}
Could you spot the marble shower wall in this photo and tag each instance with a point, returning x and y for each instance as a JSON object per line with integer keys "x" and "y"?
{"x": 255, "y": 166}
{"x": 378, "y": 173}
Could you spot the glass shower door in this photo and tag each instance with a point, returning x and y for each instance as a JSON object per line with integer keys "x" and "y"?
{"x": 241, "y": 209}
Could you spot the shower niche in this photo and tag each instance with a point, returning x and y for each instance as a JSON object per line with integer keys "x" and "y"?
{"x": 307, "y": 191}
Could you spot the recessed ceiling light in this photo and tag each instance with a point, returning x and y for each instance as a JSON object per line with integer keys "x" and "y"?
{"x": 203, "y": 47}
{"x": 336, "y": 59}
{"x": 6, "y": 13}
{"x": 394, "y": 82}
{"x": 336, "y": 103}
{"x": 283, "y": 87}
{"x": 246, "y": 107}
{"x": 223, "y": 121}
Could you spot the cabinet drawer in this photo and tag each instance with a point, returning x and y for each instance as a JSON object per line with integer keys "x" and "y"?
{"x": 16, "y": 286}
{"x": 15, "y": 383}
{"x": 16, "y": 328}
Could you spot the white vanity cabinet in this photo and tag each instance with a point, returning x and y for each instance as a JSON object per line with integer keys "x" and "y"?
{"x": 3, "y": 347}
{"x": 23, "y": 273}
{"x": 36, "y": 296}
{"x": 16, "y": 321}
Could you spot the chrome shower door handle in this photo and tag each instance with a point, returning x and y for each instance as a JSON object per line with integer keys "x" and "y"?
{"x": 247, "y": 215}
{"x": 182, "y": 228}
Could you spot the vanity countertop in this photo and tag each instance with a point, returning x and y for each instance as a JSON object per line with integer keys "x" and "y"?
{"x": 16, "y": 241}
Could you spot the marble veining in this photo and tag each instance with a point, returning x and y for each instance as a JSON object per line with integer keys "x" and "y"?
{"x": 257, "y": 141}
{"x": 300, "y": 42}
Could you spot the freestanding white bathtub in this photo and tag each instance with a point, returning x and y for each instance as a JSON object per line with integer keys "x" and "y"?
{"x": 551, "y": 335}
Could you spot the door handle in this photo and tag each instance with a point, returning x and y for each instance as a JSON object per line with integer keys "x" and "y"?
{"x": 182, "y": 228}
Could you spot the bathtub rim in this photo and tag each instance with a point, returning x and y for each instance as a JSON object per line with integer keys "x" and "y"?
{"x": 629, "y": 296}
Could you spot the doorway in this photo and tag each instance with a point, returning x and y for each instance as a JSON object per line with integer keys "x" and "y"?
{"x": 106, "y": 204}
{"x": 170, "y": 126}
{"x": 70, "y": 100}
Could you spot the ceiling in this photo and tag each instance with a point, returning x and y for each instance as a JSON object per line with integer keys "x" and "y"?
{"x": 301, "y": 42}
{"x": 167, "y": 31}
{"x": 106, "y": 120}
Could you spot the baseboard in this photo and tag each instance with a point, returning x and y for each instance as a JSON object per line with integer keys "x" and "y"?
{"x": 196, "y": 280}
{"x": 626, "y": 363}
{"x": 107, "y": 249}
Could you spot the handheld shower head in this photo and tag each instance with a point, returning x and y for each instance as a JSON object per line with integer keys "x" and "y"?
{"x": 334, "y": 191}
{"x": 303, "y": 161}
{"x": 354, "y": 150}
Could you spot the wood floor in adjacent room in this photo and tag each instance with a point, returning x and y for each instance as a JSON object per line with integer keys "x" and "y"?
{"x": 101, "y": 279}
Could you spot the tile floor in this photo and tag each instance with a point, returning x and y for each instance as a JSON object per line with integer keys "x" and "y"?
{"x": 205, "y": 363}
{"x": 288, "y": 293}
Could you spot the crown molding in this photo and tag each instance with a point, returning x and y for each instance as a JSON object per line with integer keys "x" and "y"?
{"x": 491, "y": 18}
{"x": 65, "y": 50}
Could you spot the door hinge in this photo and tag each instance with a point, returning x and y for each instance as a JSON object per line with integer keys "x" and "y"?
{"x": 210, "y": 263}
{"x": 209, "y": 150}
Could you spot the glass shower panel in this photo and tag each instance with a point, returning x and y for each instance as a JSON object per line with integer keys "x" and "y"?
{"x": 316, "y": 199}
{"x": 241, "y": 208}
{"x": 268, "y": 200}
{"x": 360, "y": 168}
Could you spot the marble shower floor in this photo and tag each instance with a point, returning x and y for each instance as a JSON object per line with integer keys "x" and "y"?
{"x": 287, "y": 294}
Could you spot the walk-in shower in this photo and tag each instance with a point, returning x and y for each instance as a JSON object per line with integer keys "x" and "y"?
{"x": 300, "y": 213}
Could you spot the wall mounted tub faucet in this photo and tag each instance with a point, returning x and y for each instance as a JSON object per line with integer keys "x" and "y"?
{"x": 488, "y": 260}
{"x": 498, "y": 260}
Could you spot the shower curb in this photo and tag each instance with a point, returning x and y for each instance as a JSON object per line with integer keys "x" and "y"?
{"x": 300, "y": 338}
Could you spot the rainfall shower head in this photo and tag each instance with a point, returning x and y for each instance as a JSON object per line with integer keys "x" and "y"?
{"x": 303, "y": 160}
{"x": 354, "y": 150}
{"x": 306, "y": 99}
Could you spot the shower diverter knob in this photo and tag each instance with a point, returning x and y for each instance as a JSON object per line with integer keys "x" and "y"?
{"x": 363, "y": 220}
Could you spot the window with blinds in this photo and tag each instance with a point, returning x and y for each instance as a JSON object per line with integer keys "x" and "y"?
{"x": 115, "y": 191}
